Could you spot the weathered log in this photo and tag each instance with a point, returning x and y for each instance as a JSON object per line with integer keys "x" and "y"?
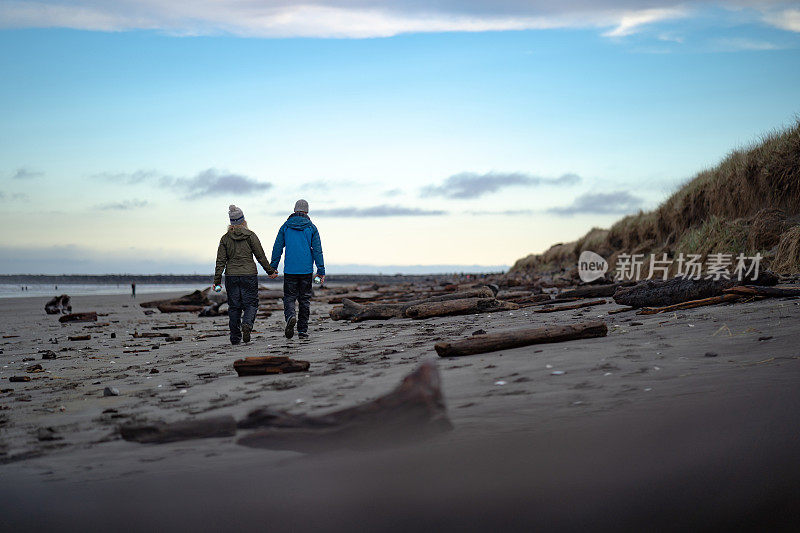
{"x": 659, "y": 293}
{"x": 58, "y": 305}
{"x": 595, "y": 291}
{"x": 517, "y": 338}
{"x": 536, "y": 299}
{"x": 357, "y": 312}
{"x": 148, "y": 334}
{"x": 195, "y": 298}
{"x": 568, "y": 307}
{"x": 80, "y": 337}
{"x": 213, "y": 309}
{"x": 256, "y": 366}
{"x": 161, "y": 432}
{"x": 466, "y": 306}
{"x": 79, "y": 317}
{"x": 413, "y": 410}
{"x": 174, "y": 308}
{"x": 766, "y": 292}
{"x": 725, "y": 298}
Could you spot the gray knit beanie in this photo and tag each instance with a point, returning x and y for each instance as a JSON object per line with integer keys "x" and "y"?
{"x": 235, "y": 214}
{"x": 301, "y": 205}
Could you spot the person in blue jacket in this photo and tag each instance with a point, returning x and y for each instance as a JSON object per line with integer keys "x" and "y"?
{"x": 303, "y": 248}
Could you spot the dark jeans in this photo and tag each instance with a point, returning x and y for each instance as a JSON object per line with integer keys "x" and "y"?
{"x": 242, "y": 298}
{"x": 297, "y": 287}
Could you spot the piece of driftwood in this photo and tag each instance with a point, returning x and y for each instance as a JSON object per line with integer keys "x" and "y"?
{"x": 80, "y": 337}
{"x": 213, "y": 309}
{"x": 467, "y": 306}
{"x": 621, "y": 310}
{"x": 148, "y": 334}
{"x": 176, "y": 308}
{"x": 19, "y": 379}
{"x": 255, "y": 366}
{"x": 594, "y": 291}
{"x": 58, "y": 305}
{"x": 660, "y": 293}
{"x": 79, "y": 317}
{"x": 162, "y": 432}
{"x": 516, "y": 338}
{"x": 413, "y": 410}
{"x": 198, "y": 297}
{"x": 532, "y": 299}
{"x": 714, "y": 300}
{"x": 568, "y": 307}
{"x": 765, "y": 292}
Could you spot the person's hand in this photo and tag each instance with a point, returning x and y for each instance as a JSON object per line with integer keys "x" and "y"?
{"x": 217, "y": 288}
{"x": 273, "y": 275}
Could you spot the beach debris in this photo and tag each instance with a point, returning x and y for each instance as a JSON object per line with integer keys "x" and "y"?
{"x": 415, "y": 409}
{"x": 180, "y": 308}
{"x": 79, "y": 317}
{"x": 568, "y": 307}
{"x": 111, "y": 391}
{"x": 19, "y": 379}
{"x": 48, "y": 354}
{"x": 58, "y": 305}
{"x": 711, "y": 354}
{"x": 466, "y": 306}
{"x": 163, "y": 432}
{"x": 48, "y": 434}
{"x": 34, "y": 368}
{"x": 254, "y": 366}
{"x": 714, "y": 300}
{"x": 148, "y": 334}
{"x": 196, "y": 298}
{"x": 764, "y": 292}
{"x": 595, "y": 291}
{"x": 79, "y": 337}
{"x": 659, "y": 293}
{"x": 557, "y": 373}
{"x": 517, "y": 338}
{"x": 173, "y": 338}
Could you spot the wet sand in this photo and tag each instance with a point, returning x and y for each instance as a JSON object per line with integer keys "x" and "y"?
{"x": 642, "y": 429}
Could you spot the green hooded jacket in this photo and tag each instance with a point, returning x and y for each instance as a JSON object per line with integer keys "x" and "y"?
{"x": 235, "y": 254}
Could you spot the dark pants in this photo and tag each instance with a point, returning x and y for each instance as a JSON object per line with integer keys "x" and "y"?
{"x": 242, "y": 298}
{"x": 297, "y": 287}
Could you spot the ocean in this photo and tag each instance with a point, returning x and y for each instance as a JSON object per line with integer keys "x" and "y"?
{"x": 8, "y": 290}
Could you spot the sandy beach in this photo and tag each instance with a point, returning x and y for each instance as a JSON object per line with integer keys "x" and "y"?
{"x": 696, "y": 406}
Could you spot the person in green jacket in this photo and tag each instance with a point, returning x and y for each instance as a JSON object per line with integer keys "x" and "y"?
{"x": 235, "y": 257}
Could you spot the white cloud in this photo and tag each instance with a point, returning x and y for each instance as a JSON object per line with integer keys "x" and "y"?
{"x": 741, "y": 44}
{"x": 787, "y": 19}
{"x": 337, "y": 18}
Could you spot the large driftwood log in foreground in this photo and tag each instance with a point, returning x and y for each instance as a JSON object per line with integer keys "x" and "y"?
{"x": 658, "y": 293}
{"x": 516, "y": 338}
{"x": 765, "y": 292}
{"x": 568, "y": 307}
{"x": 714, "y": 300}
{"x": 414, "y": 410}
{"x": 469, "y": 306}
{"x": 79, "y": 317}
{"x": 161, "y": 432}
{"x": 254, "y": 366}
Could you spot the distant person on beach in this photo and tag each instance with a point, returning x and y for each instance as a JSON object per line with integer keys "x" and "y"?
{"x": 235, "y": 257}
{"x": 303, "y": 248}
{"x": 133, "y": 290}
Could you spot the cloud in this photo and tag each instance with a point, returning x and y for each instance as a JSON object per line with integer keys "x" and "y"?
{"x": 741, "y": 44}
{"x": 212, "y": 182}
{"x": 25, "y": 173}
{"x": 128, "y": 178}
{"x": 338, "y": 18}
{"x": 17, "y": 196}
{"x": 787, "y": 19}
{"x": 377, "y": 211}
{"x": 125, "y": 205}
{"x": 392, "y": 193}
{"x": 631, "y": 22}
{"x": 468, "y": 185}
{"x": 610, "y": 203}
{"x": 507, "y": 212}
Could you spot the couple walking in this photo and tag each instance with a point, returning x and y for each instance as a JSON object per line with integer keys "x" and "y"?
{"x": 235, "y": 257}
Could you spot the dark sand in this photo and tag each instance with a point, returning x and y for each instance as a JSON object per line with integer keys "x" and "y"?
{"x": 643, "y": 431}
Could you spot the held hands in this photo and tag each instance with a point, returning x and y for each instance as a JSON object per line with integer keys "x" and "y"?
{"x": 273, "y": 275}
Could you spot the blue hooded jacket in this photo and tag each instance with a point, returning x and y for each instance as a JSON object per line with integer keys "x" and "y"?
{"x": 303, "y": 246}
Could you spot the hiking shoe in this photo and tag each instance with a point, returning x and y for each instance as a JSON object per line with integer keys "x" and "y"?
{"x": 246, "y": 329}
{"x": 289, "y": 331}
{"x": 235, "y": 341}
{"x": 302, "y": 335}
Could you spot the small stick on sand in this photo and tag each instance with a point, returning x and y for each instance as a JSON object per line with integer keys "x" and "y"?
{"x": 568, "y": 307}
{"x": 503, "y": 340}
{"x": 691, "y": 304}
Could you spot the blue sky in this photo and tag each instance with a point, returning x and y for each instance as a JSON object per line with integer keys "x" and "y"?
{"x": 126, "y": 131}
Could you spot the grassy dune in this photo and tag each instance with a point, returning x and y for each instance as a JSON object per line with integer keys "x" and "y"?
{"x": 748, "y": 203}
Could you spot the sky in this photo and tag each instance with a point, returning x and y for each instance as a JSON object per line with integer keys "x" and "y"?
{"x": 426, "y": 136}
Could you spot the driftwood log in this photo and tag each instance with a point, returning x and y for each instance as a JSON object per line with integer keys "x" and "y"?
{"x": 195, "y": 298}
{"x": 659, "y": 293}
{"x": 58, "y": 305}
{"x": 764, "y": 292}
{"x": 357, "y": 312}
{"x": 468, "y": 306}
{"x": 568, "y": 307}
{"x": 175, "y": 308}
{"x": 516, "y": 338}
{"x": 256, "y": 366}
{"x": 79, "y": 317}
{"x": 413, "y": 410}
{"x": 162, "y": 432}
{"x": 595, "y": 291}
{"x": 714, "y": 300}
